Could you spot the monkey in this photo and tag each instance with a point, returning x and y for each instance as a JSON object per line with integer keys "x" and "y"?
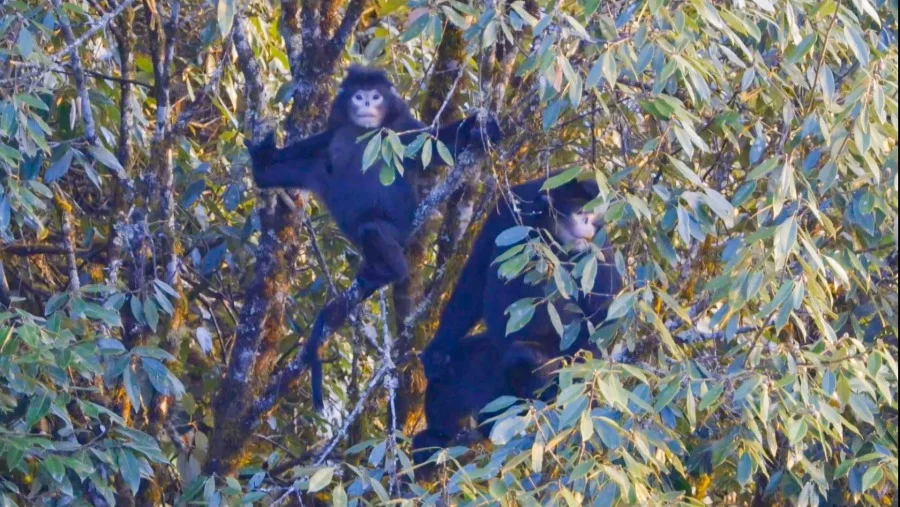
{"x": 472, "y": 379}
{"x": 481, "y": 294}
{"x": 375, "y": 217}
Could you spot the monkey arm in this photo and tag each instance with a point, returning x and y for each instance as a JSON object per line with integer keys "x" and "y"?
{"x": 314, "y": 145}
{"x": 304, "y": 173}
{"x": 468, "y": 133}
{"x": 464, "y": 308}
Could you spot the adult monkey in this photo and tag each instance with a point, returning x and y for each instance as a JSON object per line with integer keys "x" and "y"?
{"x": 377, "y": 218}
{"x": 481, "y": 293}
{"x": 472, "y": 379}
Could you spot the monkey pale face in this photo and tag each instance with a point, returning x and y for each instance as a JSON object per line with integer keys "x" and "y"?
{"x": 577, "y": 229}
{"x": 367, "y": 108}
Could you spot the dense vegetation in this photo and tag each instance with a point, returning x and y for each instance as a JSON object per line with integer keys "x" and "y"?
{"x": 152, "y": 299}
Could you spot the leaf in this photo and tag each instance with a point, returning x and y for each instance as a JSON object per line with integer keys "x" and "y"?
{"x": 610, "y": 72}
{"x": 25, "y": 42}
{"x": 785, "y": 239}
{"x": 106, "y": 158}
{"x": 130, "y": 469}
{"x": 427, "y": 150}
{"x": 59, "y": 168}
{"x": 589, "y": 275}
{"x": 444, "y": 153}
{"x": 872, "y": 477}
{"x": 151, "y": 313}
{"x": 720, "y": 206}
{"x": 763, "y": 169}
{"x": 372, "y": 151}
{"x": 560, "y": 179}
{"x": 796, "y": 430}
{"x": 857, "y": 44}
{"x": 686, "y": 171}
{"x": 225, "y": 16}
{"x": 506, "y": 429}
{"x": 710, "y": 397}
{"x": 590, "y": 7}
{"x": 37, "y": 408}
{"x": 512, "y": 235}
{"x": 623, "y": 303}
{"x": 520, "y": 314}
{"x": 320, "y": 479}
{"x": 555, "y": 319}
{"x": 744, "y": 469}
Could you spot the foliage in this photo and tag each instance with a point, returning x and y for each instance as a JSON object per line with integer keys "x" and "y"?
{"x": 747, "y": 159}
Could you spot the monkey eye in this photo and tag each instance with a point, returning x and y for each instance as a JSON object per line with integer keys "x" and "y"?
{"x": 376, "y": 97}
{"x": 358, "y": 96}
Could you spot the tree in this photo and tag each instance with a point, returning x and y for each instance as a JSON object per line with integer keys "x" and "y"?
{"x": 154, "y": 299}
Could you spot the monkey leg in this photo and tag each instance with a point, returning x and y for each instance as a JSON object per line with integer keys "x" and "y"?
{"x": 528, "y": 368}
{"x": 384, "y": 262}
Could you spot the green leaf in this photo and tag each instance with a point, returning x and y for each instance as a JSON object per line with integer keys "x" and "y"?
{"x": 151, "y": 313}
{"x": 720, "y": 206}
{"x": 555, "y": 320}
{"x": 763, "y": 168}
{"x": 623, "y": 303}
{"x": 512, "y": 235}
{"x": 744, "y": 469}
{"x": 560, "y": 179}
{"x": 320, "y": 479}
{"x": 872, "y": 477}
{"x": 857, "y": 44}
{"x": 796, "y": 430}
{"x": 37, "y": 408}
{"x": 59, "y": 168}
{"x": 427, "y": 150}
{"x": 130, "y": 468}
{"x": 785, "y": 239}
{"x": 520, "y": 314}
{"x": 106, "y": 158}
{"x": 710, "y": 397}
{"x": 610, "y": 72}
{"x": 372, "y": 151}
{"x": 798, "y": 52}
{"x": 25, "y": 42}
{"x": 444, "y": 153}
{"x": 506, "y": 429}
{"x": 686, "y": 171}
{"x": 590, "y": 7}
{"x": 667, "y": 395}
{"x": 225, "y": 16}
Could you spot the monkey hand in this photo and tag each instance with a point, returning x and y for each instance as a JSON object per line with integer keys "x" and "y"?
{"x": 261, "y": 154}
{"x": 484, "y": 132}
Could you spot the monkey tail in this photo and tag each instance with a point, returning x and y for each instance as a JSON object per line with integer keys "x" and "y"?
{"x": 311, "y": 356}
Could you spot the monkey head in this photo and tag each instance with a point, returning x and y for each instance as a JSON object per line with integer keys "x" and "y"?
{"x": 367, "y": 99}
{"x": 572, "y": 225}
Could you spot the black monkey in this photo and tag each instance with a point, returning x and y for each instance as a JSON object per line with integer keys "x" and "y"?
{"x": 471, "y": 380}
{"x": 377, "y": 218}
{"x": 480, "y": 293}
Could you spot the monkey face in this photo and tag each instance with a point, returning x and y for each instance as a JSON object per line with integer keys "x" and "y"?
{"x": 576, "y": 229}
{"x": 367, "y": 108}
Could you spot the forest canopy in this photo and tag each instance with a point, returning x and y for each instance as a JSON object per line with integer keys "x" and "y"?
{"x": 153, "y": 300}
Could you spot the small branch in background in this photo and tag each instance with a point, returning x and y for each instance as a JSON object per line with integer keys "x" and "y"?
{"x": 5, "y": 294}
{"x": 87, "y": 116}
{"x": 342, "y": 35}
{"x": 212, "y": 82}
{"x": 68, "y": 236}
{"x": 391, "y": 383}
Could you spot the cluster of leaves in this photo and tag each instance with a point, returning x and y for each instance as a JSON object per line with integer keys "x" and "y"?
{"x": 59, "y": 436}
